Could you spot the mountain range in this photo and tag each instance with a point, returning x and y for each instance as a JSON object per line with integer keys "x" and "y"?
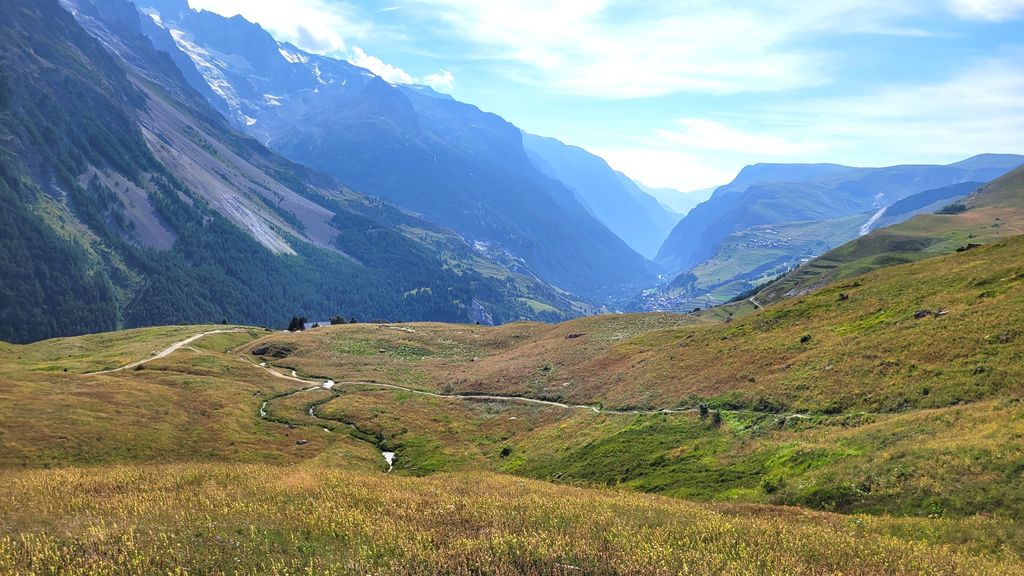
{"x": 186, "y": 166}
{"x": 772, "y": 217}
{"x": 448, "y": 161}
{"x": 130, "y": 201}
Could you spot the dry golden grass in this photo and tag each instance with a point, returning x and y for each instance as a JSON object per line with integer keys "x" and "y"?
{"x": 247, "y": 519}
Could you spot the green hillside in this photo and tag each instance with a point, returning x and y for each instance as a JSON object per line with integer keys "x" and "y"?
{"x": 994, "y": 212}
{"x": 912, "y": 426}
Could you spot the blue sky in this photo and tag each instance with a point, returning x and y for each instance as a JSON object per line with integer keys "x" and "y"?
{"x": 684, "y": 93}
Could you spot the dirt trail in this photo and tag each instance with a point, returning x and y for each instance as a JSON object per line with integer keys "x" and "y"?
{"x": 166, "y": 351}
{"x": 486, "y": 397}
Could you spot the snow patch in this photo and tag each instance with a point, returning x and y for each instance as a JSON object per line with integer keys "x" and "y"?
{"x": 154, "y": 15}
{"x": 293, "y": 57}
{"x": 209, "y": 67}
{"x": 249, "y": 121}
{"x": 273, "y": 100}
{"x": 319, "y": 77}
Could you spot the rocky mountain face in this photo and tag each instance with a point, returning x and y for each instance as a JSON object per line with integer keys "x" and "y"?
{"x": 448, "y": 161}
{"x": 129, "y": 201}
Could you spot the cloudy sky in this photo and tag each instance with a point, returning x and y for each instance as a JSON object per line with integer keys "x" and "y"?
{"x": 683, "y": 93}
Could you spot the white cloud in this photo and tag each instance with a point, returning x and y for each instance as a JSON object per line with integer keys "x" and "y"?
{"x": 319, "y": 26}
{"x": 712, "y": 135}
{"x": 981, "y": 109}
{"x": 990, "y": 10}
{"x": 442, "y": 81}
{"x": 977, "y": 110}
{"x": 666, "y": 168}
{"x": 386, "y": 71}
{"x": 622, "y": 49}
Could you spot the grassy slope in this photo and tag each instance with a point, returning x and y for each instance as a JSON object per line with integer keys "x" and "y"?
{"x": 663, "y": 361}
{"x": 262, "y": 504}
{"x": 928, "y": 424}
{"x": 230, "y": 519}
{"x": 200, "y": 403}
{"x": 757, "y": 255}
{"x": 995, "y": 212}
{"x": 876, "y": 411}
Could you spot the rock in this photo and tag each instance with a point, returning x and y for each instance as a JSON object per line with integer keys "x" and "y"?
{"x": 302, "y": 442}
{"x": 941, "y": 313}
{"x": 843, "y": 297}
{"x": 575, "y": 336}
{"x": 277, "y": 351}
{"x": 969, "y": 246}
{"x": 920, "y": 314}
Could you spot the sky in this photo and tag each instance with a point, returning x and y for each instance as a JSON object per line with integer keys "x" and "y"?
{"x": 684, "y": 93}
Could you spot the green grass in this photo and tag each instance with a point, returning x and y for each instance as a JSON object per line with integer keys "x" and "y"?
{"x": 830, "y": 403}
{"x": 992, "y": 214}
{"x": 840, "y": 405}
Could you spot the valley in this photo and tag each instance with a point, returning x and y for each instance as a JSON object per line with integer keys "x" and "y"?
{"x": 922, "y": 457}
{"x": 506, "y": 355}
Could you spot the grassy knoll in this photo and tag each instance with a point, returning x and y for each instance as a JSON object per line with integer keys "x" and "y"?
{"x": 200, "y": 403}
{"x": 249, "y": 519}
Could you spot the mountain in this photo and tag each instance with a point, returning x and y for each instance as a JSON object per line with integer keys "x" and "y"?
{"x": 772, "y": 217}
{"x": 445, "y": 160}
{"x": 677, "y": 201}
{"x": 614, "y": 199}
{"x": 990, "y": 214}
{"x": 130, "y": 202}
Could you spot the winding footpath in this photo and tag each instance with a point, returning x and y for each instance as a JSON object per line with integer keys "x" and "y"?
{"x": 330, "y": 384}
{"x": 166, "y": 351}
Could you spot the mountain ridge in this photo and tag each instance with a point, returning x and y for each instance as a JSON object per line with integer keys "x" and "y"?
{"x": 165, "y": 214}
{"x": 447, "y": 161}
{"x": 632, "y": 214}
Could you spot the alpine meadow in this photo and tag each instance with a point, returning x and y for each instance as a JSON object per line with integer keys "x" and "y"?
{"x": 440, "y": 287}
